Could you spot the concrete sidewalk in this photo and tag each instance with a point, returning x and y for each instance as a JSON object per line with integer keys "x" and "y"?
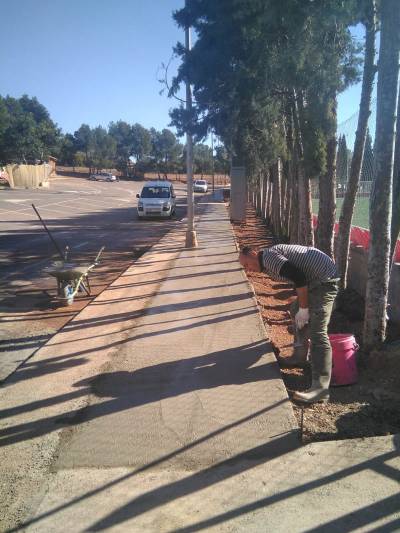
{"x": 160, "y": 408}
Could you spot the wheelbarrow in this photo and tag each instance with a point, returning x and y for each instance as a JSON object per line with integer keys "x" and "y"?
{"x": 72, "y": 277}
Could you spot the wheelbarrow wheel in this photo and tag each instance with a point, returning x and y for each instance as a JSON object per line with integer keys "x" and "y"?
{"x": 68, "y": 291}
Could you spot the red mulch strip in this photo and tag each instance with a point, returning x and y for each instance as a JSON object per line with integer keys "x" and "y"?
{"x": 370, "y": 407}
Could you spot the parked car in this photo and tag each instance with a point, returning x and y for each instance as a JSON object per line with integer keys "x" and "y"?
{"x": 157, "y": 199}
{"x": 200, "y": 186}
{"x": 103, "y": 176}
{"x": 4, "y": 180}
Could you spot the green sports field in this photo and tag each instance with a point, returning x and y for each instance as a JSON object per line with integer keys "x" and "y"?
{"x": 361, "y": 211}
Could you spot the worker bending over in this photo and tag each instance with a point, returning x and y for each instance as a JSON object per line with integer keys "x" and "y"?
{"x": 315, "y": 278}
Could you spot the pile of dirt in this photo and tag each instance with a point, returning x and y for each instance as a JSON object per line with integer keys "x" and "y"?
{"x": 371, "y": 407}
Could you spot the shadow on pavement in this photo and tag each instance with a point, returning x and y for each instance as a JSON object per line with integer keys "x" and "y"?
{"x": 156, "y": 310}
{"x": 239, "y": 464}
{"x": 204, "y": 478}
{"x": 127, "y": 390}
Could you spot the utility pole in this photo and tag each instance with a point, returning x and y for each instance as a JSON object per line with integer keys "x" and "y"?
{"x": 191, "y": 239}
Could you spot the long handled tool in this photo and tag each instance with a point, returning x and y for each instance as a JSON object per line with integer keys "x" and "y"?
{"x": 71, "y": 277}
{"x": 60, "y": 253}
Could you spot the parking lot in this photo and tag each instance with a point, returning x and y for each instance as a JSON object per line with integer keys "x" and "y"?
{"x": 82, "y": 214}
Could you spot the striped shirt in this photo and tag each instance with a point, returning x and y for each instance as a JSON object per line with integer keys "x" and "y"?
{"x": 315, "y": 265}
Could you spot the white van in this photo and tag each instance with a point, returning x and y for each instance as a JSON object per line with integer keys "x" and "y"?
{"x": 157, "y": 199}
{"x": 200, "y": 186}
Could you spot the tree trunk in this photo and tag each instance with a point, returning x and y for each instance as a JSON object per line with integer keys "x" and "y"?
{"x": 259, "y": 195}
{"x": 327, "y": 198}
{"x": 294, "y": 214}
{"x": 255, "y": 195}
{"x": 381, "y": 198}
{"x": 306, "y": 236}
{"x": 276, "y": 199}
{"x": 269, "y": 196}
{"x": 264, "y": 181}
{"x": 346, "y": 215}
{"x": 295, "y": 211}
{"x": 292, "y": 190}
{"x": 272, "y": 195}
{"x": 283, "y": 197}
{"x": 395, "y": 228}
{"x": 266, "y": 188}
{"x": 261, "y": 184}
{"x": 288, "y": 197}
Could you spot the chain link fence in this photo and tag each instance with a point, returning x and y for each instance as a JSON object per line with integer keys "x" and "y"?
{"x": 346, "y": 138}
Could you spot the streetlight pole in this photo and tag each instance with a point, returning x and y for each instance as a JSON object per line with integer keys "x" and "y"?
{"x": 191, "y": 239}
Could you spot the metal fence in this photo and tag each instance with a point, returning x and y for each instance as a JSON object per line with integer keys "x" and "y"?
{"x": 346, "y": 137}
{"x": 361, "y": 206}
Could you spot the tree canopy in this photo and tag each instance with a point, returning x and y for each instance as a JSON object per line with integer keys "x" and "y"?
{"x": 28, "y": 135}
{"x": 27, "y": 132}
{"x": 251, "y": 57}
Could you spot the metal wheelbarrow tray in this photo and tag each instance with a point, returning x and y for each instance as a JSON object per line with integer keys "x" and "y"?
{"x": 72, "y": 278}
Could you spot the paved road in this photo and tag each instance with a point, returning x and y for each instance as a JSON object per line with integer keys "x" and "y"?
{"x": 167, "y": 373}
{"x": 160, "y": 408}
{"x": 85, "y": 215}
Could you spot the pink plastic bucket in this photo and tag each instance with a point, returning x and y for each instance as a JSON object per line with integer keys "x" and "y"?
{"x": 344, "y": 366}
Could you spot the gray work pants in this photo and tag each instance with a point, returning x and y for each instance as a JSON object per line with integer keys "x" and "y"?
{"x": 314, "y": 336}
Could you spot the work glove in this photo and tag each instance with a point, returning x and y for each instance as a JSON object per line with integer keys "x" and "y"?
{"x": 302, "y": 317}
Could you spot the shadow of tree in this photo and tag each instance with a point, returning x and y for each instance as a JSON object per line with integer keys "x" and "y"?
{"x": 127, "y": 390}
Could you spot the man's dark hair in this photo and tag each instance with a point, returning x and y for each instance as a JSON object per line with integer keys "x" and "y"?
{"x": 246, "y": 250}
{"x": 260, "y": 255}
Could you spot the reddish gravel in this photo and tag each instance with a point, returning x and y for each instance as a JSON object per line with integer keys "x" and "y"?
{"x": 370, "y": 407}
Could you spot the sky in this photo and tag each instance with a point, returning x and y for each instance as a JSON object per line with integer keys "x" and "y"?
{"x": 97, "y": 61}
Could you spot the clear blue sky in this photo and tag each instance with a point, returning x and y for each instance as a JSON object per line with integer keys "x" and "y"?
{"x": 95, "y": 61}
{"x": 89, "y": 61}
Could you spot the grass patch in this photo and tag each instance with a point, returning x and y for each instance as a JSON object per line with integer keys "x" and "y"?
{"x": 361, "y": 211}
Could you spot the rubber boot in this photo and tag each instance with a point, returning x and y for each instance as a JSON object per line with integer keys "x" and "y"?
{"x": 317, "y": 393}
